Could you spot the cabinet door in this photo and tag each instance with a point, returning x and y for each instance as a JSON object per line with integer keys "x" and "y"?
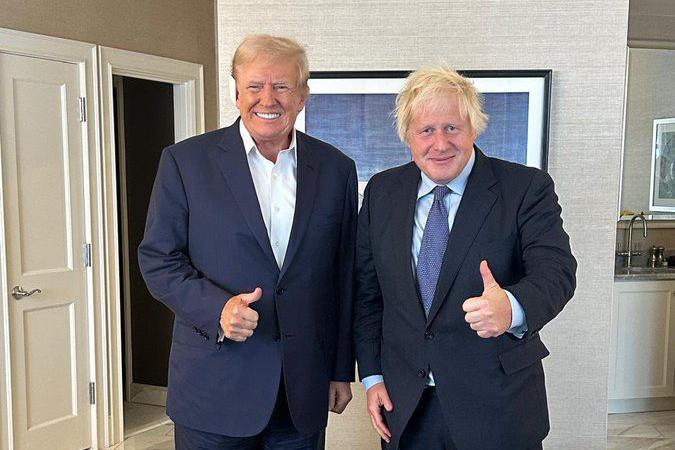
{"x": 643, "y": 331}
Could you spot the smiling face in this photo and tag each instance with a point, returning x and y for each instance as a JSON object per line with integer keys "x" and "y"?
{"x": 269, "y": 100}
{"x": 440, "y": 140}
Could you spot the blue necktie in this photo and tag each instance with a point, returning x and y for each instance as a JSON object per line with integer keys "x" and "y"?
{"x": 434, "y": 241}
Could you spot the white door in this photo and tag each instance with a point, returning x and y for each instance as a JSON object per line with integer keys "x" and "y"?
{"x": 41, "y": 143}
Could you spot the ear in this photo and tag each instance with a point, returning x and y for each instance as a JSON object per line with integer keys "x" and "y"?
{"x": 303, "y": 101}
{"x": 236, "y": 96}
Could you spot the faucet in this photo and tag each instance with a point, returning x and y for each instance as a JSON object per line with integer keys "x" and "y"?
{"x": 630, "y": 253}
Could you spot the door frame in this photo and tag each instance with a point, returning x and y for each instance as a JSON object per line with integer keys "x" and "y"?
{"x": 188, "y": 81}
{"x": 84, "y": 55}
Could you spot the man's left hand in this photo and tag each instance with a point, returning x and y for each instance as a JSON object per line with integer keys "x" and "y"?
{"x": 490, "y": 314}
{"x": 339, "y": 395}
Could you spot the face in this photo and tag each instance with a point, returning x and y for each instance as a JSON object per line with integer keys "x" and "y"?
{"x": 269, "y": 100}
{"x": 440, "y": 140}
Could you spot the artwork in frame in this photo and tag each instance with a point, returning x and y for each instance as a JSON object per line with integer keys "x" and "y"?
{"x": 662, "y": 185}
{"x": 353, "y": 111}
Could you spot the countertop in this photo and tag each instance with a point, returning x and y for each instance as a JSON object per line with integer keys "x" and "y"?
{"x": 644, "y": 274}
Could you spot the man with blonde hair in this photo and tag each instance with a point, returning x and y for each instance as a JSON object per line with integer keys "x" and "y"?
{"x": 250, "y": 241}
{"x": 461, "y": 260}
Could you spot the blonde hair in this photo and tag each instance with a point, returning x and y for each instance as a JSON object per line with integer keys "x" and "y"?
{"x": 426, "y": 85}
{"x": 278, "y": 49}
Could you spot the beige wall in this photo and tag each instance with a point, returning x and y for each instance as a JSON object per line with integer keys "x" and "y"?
{"x": 651, "y": 23}
{"x": 585, "y": 44}
{"x": 178, "y": 29}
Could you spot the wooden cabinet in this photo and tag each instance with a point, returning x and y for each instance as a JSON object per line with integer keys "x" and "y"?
{"x": 642, "y": 342}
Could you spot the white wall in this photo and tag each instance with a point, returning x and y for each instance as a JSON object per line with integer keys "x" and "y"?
{"x": 584, "y": 42}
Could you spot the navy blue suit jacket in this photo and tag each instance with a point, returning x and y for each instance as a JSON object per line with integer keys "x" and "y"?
{"x": 492, "y": 390}
{"x": 205, "y": 241}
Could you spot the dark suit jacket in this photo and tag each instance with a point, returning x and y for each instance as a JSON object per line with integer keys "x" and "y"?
{"x": 205, "y": 241}
{"x": 492, "y": 390}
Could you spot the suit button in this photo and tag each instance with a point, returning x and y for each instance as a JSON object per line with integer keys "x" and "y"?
{"x": 276, "y": 338}
{"x": 428, "y": 335}
{"x": 422, "y": 373}
{"x": 280, "y": 290}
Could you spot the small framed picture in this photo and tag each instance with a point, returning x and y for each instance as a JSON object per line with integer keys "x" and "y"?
{"x": 662, "y": 186}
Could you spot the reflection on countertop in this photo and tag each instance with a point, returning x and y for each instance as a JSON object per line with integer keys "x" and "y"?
{"x": 644, "y": 273}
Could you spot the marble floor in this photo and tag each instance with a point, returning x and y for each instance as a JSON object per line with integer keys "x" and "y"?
{"x": 158, "y": 438}
{"x": 139, "y": 417}
{"x": 638, "y": 431}
{"x": 641, "y": 431}
{"x": 146, "y": 427}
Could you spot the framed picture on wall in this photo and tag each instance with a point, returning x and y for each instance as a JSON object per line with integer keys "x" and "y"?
{"x": 662, "y": 185}
{"x": 353, "y": 111}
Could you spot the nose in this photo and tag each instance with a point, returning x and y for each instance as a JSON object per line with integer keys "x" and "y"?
{"x": 267, "y": 95}
{"x": 440, "y": 142}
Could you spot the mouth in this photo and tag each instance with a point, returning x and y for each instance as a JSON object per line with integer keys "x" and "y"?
{"x": 442, "y": 159}
{"x": 267, "y": 116}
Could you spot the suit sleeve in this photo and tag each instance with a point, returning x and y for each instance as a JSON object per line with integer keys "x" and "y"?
{"x": 368, "y": 305}
{"x": 164, "y": 259}
{"x": 548, "y": 264}
{"x": 344, "y": 356}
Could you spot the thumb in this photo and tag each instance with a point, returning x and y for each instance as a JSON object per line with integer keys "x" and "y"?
{"x": 485, "y": 273}
{"x": 252, "y": 296}
{"x": 386, "y": 401}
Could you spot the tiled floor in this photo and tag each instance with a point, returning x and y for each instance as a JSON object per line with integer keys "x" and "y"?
{"x": 146, "y": 427}
{"x": 159, "y": 438}
{"x": 139, "y": 418}
{"x": 639, "y": 431}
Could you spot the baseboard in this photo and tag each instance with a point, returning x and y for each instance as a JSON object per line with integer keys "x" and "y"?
{"x": 148, "y": 394}
{"x": 641, "y": 405}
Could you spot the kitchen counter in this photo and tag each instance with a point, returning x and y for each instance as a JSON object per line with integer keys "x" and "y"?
{"x": 644, "y": 274}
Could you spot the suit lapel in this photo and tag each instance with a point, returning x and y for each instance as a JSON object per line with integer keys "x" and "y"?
{"x": 403, "y": 203}
{"x": 308, "y": 175}
{"x": 476, "y": 203}
{"x": 231, "y": 159}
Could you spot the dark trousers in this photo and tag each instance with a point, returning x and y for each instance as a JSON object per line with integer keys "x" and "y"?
{"x": 426, "y": 428}
{"x": 279, "y": 434}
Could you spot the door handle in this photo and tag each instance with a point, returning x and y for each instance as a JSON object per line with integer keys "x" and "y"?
{"x": 18, "y": 293}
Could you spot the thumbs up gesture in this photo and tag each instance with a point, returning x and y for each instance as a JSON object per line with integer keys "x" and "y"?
{"x": 490, "y": 314}
{"x": 238, "y": 319}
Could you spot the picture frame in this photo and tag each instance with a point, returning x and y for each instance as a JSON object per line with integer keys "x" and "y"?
{"x": 353, "y": 111}
{"x": 662, "y": 179}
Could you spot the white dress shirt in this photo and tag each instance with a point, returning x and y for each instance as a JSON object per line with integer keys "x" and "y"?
{"x": 275, "y": 185}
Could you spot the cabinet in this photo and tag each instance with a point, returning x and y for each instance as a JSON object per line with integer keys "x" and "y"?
{"x": 642, "y": 342}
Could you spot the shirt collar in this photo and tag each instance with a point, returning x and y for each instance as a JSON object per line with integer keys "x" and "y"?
{"x": 457, "y": 184}
{"x": 249, "y": 143}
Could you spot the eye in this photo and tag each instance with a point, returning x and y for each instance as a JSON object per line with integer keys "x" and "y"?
{"x": 450, "y": 128}
{"x": 281, "y": 88}
{"x": 255, "y": 87}
{"x": 427, "y": 131}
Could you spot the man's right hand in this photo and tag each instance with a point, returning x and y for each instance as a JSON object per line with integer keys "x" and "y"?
{"x": 378, "y": 398}
{"x": 238, "y": 319}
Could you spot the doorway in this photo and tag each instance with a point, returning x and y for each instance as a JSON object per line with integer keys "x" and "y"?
{"x": 148, "y": 103}
{"x": 144, "y": 125}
